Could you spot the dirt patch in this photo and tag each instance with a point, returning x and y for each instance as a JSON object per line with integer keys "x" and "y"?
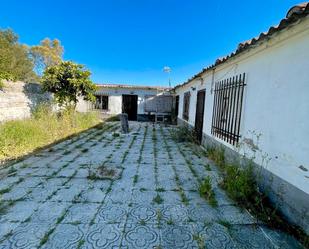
{"x": 105, "y": 172}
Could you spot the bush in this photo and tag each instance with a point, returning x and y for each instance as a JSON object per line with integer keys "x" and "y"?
{"x": 183, "y": 134}
{"x": 20, "y": 137}
{"x": 239, "y": 183}
{"x": 217, "y": 155}
{"x": 206, "y": 191}
{"x": 241, "y": 186}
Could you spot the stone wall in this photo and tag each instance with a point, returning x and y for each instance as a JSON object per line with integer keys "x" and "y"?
{"x": 18, "y": 99}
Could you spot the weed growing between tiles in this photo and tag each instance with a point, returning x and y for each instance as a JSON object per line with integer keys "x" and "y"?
{"x": 155, "y": 153}
{"x": 8, "y": 204}
{"x": 199, "y": 240}
{"x": 46, "y": 236}
{"x": 226, "y": 224}
{"x": 179, "y": 189}
{"x": 158, "y": 199}
{"x": 188, "y": 161}
{"x": 130, "y": 146}
{"x": 108, "y": 160}
{"x": 240, "y": 185}
{"x": 101, "y": 130}
{"x": 206, "y": 191}
{"x": 183, "y": 134}
{"x": 159, "y": 218}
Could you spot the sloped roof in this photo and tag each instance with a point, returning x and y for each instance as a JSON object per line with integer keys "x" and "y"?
{"x": 294, "y": 14}
{"x": 132, "y": 86}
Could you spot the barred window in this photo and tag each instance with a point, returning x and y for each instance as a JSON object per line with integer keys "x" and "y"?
{"x": 186, "y": 105}
{"x": 226, "y": 117}
{"x": 101, "y": 102}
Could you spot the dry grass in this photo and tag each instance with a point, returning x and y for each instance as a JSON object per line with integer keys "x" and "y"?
{"x": 20, "y": 137}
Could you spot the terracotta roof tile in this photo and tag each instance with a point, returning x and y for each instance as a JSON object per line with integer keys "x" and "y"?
{"x": 294, "y": 14}
{"x": 132, "y": 86}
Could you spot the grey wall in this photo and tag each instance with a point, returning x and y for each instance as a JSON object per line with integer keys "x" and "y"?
{"x": 18, "y": 99}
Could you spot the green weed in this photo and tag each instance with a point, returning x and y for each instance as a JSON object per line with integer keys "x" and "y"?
{"x": 158, "y": 199}
{"x": 19, "y": 137}
{"x": 206, "y": 191}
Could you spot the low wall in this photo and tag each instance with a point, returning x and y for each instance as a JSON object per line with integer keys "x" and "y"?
{"x": 18, "y": 99}
{"x": 292, "y": 202}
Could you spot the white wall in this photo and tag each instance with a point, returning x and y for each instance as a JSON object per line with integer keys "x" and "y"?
{"x": 276, "y": 101}
{"x": 115, "y": 98}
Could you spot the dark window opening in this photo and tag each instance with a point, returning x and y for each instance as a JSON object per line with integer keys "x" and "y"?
{"x": 186, "y": 106}
{"x": 226, "y": 117}
{"x": 101, "y": 102}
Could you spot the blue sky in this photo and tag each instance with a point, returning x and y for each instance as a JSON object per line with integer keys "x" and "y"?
{"x": 130, "y": 41}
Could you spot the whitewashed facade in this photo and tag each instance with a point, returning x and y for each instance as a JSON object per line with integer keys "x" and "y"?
{"x": 113, "y": 94}
{"x": 275, "y": 111}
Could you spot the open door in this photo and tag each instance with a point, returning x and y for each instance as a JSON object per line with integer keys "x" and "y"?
{"x": 129, "y": 106}
{"x": 177, "y": 106}
{"x": 199, "y": 115}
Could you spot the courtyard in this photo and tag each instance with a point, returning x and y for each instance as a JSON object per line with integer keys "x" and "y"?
{"x": 147, "y": 197}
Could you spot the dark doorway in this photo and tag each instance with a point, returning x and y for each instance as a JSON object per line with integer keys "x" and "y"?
{"x": 129, "y": 106}
{"x": 199, "y": 115}
{"x": 177, "y": 106}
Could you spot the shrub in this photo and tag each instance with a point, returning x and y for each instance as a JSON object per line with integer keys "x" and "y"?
{"x": 217, "y": 155}
{"x": 239, "y": 183}
{"x": 183, "y": 134}
{"x": 206, "y": 191}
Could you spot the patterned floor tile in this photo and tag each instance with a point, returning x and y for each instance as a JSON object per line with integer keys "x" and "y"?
{"x": 103, "y": 235}
{"x": 252, "y": 237}
{"x": 176, "y": 236}
{"x": 235, "y": 215}
{"x": 49, "y": 212}
{"x": 20, "y": 211}
{"x": 202, "y": 213}
{"x": 26, "y": 236}
{"x": 66, "y": 236}
{"x": 81, "y": 213}
{"x": 141, "y": 236}
{"x": 124, "y": 213}
{"x": 93, "y": 195}
{"x": 215, "y": 236}
{"x": 112, "y": 213}
{"x": 142, "y": 213}
{"x": 177, "y": 214}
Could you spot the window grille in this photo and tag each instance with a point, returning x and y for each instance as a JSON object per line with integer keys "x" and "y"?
{"x": 227, "y": 108}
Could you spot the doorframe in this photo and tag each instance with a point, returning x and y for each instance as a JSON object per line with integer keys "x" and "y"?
{"x": 199, "y": 134}
{"x": 122, "y": 104}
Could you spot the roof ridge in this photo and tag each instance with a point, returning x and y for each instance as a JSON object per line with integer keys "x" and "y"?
{"x": 130, "y": 86}
{"x": 294, "y": 13}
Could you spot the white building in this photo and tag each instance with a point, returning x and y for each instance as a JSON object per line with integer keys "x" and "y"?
{"x": 136, "y": 101}
{"x": 255, "y": 102}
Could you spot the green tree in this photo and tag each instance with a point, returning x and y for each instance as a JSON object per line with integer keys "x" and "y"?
{"x": 68, "y": 81}
{"x": 15, "y": 63}
{"x": 48, "y": 53}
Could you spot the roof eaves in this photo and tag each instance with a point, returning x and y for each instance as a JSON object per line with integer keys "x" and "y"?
{"x": 294, "y": 14}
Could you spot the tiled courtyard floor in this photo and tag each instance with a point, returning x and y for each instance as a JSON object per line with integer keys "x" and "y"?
{"x": 48, "y": 200}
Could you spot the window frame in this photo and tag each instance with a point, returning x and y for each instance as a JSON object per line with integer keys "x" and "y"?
{"x": 99, "y": 102}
